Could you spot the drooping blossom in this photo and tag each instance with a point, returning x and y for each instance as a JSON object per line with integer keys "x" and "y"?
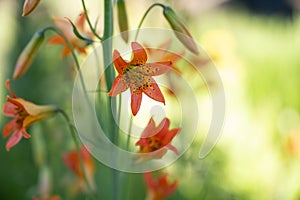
{"x": 71, "y": 160}
{"x": 160, "y": 188}
{"x": 137, "y": 76}
{"x": 24, "y": 113}
{"x": 67, "y": 29}
{"x": 156, "y": 140}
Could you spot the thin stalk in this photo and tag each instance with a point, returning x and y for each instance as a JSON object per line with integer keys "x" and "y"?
{"x": 73, "y": 132}
{"x": 144, "y": 16}
{"x": 109, "y": 77}
{"x": 129, "y": 133}
{"x": 72, "y": 51}
{"x": 89, "y": 21}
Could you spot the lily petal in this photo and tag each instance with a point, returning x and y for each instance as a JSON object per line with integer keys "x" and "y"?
{"x": 57, "y": 40}
{"x": 139, "y": 54}
{"x": 9, "y": 109}
{"x": 119, "y": 62}
{"x": 119, "y": 85}
{"x": 136, "y": 99}
{"x": 25, "y": 134}
{"x": 154, "y": 92}
{"x": 155, "y": 69}
{"x": 172, "y": 148}
{"x": 14, "y": 139}
{"x": 171, "y": 134}
{"x": 149, "y": 130}
{"x": 80, "y": 21}
{"x": 8, "y": 128}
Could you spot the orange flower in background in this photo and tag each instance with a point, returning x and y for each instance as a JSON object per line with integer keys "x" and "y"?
{"x": 53, "y": 197}
{"x": 161, "y": 53}
{"x": 156, "y": 140}
{"x": 160, "y": 188}
{"x": 24, "y": 113}
{"x": 71, "y": 160}
{"x": 29, "y": 6}
{"x": 66, "y": 27}
{"x": 137, "y": 75}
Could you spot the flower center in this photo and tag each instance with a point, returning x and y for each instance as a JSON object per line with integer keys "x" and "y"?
{"x": 21, "y": 114}
{"x": 154, "y": 143}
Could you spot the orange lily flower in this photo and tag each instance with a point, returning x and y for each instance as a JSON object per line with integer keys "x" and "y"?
{"x": 71, "y": 160}
{"x": 66, "y": 27}
{"x": 24, "y": 113}
{"x": 156, "y": 140}
{"x": 29, "y": 6}
{"x": 160, "y": 188}
{"x": 137, "y": 75}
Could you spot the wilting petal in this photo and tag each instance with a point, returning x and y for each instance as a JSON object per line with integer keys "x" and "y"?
{"x": 154, "y": 92}
{"x": 8, "y": 128}
{"x": 29, "y": 6}
{"x": 9, "y": 109}
{"x": 14, "y": 139}
{"x": 136, "y": 99}
{"x": 139, "y": 54}
{"x": 119, "y": 85}
{"x": 119, "y": 63}
{"x": 155, "y": 69}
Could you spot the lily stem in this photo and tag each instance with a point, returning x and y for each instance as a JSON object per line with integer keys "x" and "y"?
{"x": 109, "y": 77}
{"x": 77, "y": 145}
{"x": 72, "y": 51}
{"x": 144, "y": 16}
{"x": 89, "y": 21}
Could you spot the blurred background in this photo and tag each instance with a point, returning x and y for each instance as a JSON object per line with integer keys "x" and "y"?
{"x": 255, "y": 45}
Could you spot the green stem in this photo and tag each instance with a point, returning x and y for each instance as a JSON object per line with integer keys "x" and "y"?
{"x": 77, "y": 145}
{"x": 72, "y": 51}
{"x": 144, "y": 16}
{"x": 89, "y": 21}
{"x": 109, "y": 77}
{"x": 129, "y": 133}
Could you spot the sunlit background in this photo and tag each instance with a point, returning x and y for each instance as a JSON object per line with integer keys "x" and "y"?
{"x": 256, "y": 48}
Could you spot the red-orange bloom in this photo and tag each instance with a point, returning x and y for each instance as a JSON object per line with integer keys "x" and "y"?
{"x": 156, "y": 140}
{"x": 160, "y": 188}
{"x": 137, "y": 75}
{"x": 24, "y": 113}
{"x": 71, "y": 160}
{"x": 66, "y": 27}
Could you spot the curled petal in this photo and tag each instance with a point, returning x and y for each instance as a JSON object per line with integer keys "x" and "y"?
{"x": 8, "y": 128}
{"x": 80, "y": 21}
{"x": 119, "y": 85}
{"x": 136, "y": 100}
{"x": 170, "y": 135}
{"x": 139, "y": 54}
{"x": 14, "y": 139}
{"x": 25, "y": 134}
{"x": 154, "y": 92}
{"x": 7, "y": 85}
{"x": 9, "y": 109}
{"x": 119, "y": 63}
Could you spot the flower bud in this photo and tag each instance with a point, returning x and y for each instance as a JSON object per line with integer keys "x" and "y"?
{"x": 28, "y": 54}
{"x": 122, "y": 19}
{"x": 29, "y": 6}
{"x": 180, "y": 29}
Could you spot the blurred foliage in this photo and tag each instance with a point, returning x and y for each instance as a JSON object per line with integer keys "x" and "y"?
{"x": 260, "y": 67}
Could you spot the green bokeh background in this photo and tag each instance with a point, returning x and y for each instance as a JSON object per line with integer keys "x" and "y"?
{"x": 258, "y": 60}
